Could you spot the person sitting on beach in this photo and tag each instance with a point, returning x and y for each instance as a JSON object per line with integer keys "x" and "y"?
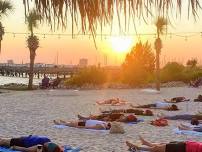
{"x": 183, "y": 146}
{"x": 159, "y": 105}
{"x": 111, "y": 117}
{"x": 196, "y": 83}
{"x": 176, "y": 100}
{"x": 134, "y": 111}
{"x": 55, "y": 82}
{"x": 45, "y": 82}
{"x": 113, "y": 102}
{"x": 181, "y": 117}
{"x": 86, "y": 124}
{"x": 197, "y": 128}
{"x": 30, "y": 144}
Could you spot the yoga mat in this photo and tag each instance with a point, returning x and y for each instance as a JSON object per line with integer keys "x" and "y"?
{"x": 92, "y": 130}
{"x": 136, "y": 122}
{"x": 150, "y": 91}
{"x": 68, "y": 148}
{"x": 4, "y": 149}
{"x": 187, "y": 132}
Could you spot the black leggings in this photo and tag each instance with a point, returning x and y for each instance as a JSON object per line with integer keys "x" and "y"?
{"x": 176, "y": 147}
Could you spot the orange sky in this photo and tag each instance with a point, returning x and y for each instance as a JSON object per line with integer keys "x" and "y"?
{"x": 71, "y": 50}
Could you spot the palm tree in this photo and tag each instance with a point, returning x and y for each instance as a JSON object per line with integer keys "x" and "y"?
{"x": 5, "y": 8}
{"x": 161, "y": 25}
{"x": 92, "y": 13}
{"x": 32, "y": 42}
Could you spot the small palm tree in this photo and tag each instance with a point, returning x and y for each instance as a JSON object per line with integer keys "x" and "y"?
{"x": 161, "y": 26}
{"x": 5, "y": 7}
{"x": 32, "y": 42}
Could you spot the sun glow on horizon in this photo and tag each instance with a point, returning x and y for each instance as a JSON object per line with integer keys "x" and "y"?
{"x": 121, "y": 44}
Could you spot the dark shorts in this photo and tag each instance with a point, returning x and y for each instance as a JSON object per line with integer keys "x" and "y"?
{"x": 17, "y": 142}
{"x": 81, "y": 123}
{"x": 176, "y": 147}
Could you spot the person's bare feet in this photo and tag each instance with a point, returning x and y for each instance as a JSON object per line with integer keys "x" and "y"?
{"x": 56, "y": 122}
{"x": 131, "y": 146}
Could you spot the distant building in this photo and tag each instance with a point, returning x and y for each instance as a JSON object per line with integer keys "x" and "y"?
{"x": 10, "y": 62}
{"x": 83, "y": 62}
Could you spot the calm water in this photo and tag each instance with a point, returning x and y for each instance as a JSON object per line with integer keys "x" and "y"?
{"x": 7, "y": 80}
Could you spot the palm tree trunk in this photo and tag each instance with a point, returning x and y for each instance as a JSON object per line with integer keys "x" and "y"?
{"x": 31, "y": 70}
{"x": 157, "y": 70}
{"x": 0, "y": 46}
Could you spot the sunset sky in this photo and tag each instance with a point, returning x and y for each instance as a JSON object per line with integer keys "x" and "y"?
{"x": 175, "y": 48}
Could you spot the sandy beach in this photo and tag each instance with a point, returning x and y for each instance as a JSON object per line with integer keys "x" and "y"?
{"x": 33, "y": 112}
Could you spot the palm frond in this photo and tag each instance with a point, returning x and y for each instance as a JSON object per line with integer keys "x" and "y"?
{"x": 32, "y": 20}
{"x": 161, "y": 25}
{"x": 5, "y": 8}
{"x": 91, "y": 13}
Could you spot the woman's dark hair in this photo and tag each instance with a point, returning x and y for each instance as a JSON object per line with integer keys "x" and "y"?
{"x": 194, "y": 121}
{"x": 108, "y": 126}
{"x": 174, "y": 107}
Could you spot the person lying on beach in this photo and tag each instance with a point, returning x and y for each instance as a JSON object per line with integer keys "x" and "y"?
{"x": 186, "y": 146}
{"x": 198, "y": 99}
{"x": 111, "y": 117}
{"x": 181, "y": 117}
{"x": 159, "y": 105}
{"x": 113, "y": 102}
{"x": 86, "y": 124}
{"x": 134, "y": 111}
{"x": 176, "y": 100}
{"x": 30, "y": 144}
{"x": 190, "y": 128}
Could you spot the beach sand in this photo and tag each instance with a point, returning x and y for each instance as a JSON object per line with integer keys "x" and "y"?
{"x": 33, "y": 112}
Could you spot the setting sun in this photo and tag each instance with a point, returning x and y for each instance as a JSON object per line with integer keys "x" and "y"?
{"x": 121, "y": 44}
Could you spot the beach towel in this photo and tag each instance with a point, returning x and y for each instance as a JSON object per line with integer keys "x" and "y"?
{"x": 187, "y": 132}
{"x": 4, "y": 149}
{"x": 94, "y": 130}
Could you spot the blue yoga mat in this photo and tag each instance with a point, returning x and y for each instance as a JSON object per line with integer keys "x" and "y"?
{"x": 67, "y": 148}
{"x": 4, "y": 149}
{"x": 92, "y": 130}
{"x": 187, "y": 132}
{"x": 136, "y": 122}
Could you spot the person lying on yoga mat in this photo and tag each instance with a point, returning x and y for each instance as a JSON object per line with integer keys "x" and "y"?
{"x": 113, "y": 102}
{"x": 111, "y": 117}
{"x": 176, "y": 100}
{"x": 195, "y": 128}
{"x": 185, "y": 146}
{"x": 86, "y": 124}
{"x": 181, "y": 117}
{"x": 130, "y": 110}
{"x": 30, "y": 144}
{"x": 159, "y": 105}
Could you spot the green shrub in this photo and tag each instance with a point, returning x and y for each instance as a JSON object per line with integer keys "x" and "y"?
{"x": 91, "y": 75}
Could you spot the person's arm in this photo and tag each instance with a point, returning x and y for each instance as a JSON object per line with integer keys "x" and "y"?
{"x": 30, "y": 149}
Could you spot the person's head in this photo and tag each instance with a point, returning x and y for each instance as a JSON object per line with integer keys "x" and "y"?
{"x": 52, "y": 147}
{"x": 148, "y": 112}
{"x": 131, "y": 118}
{"x": 174, "y": 107}
{"x": 116, "y": 128}
{"x": 108, "y": 126}
{"x": 194, "y": 121}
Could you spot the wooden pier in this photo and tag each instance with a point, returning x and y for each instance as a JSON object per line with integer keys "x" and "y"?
{"x": 23, "y": 71}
